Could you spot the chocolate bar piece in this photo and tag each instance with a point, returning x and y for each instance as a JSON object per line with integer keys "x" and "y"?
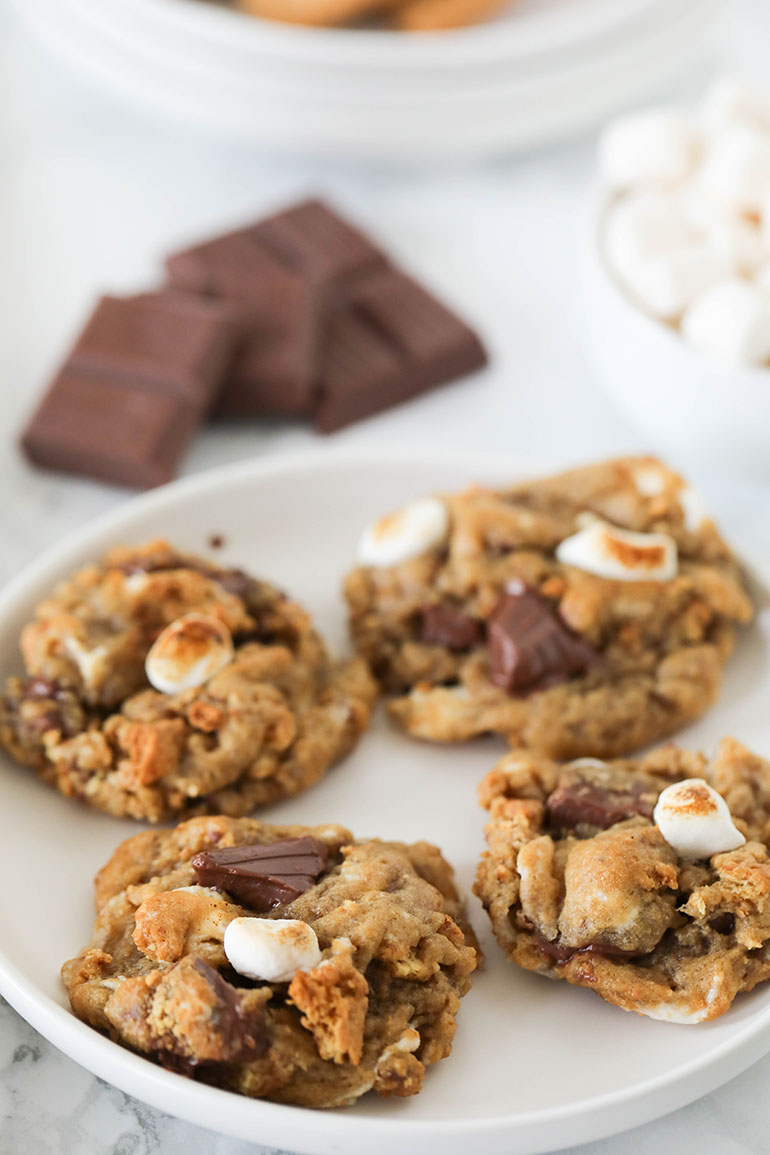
{"x": 391, "y": 342}
{"x": 172, "y": 340}
{"x": 275, "y": 369}
{"x": 530, "y": 645}
{"x": 282, "y": 273}
{"x": 138, "y": 383}
{"x": 263, "y": 876}
{"x": 314, "y": 240}
{"x": 110, "y": 430}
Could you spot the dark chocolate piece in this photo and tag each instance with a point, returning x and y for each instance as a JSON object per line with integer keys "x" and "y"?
{"x": 110, "y": 430}
{"x": 443, "y": 624}
{"x": 275, "y": 370}
{"x": 137, "y": 385}
{"x": 172, "y": 340}
{"x": 281, "y": 272}
{"x": 263, "y": 876}
{"x": 560, "y": 953}
{"x": 311, "y": 238}
{"x": 577, "y": 801}
{"x": 391, "y": 342}
{"x": 530, "y": 646}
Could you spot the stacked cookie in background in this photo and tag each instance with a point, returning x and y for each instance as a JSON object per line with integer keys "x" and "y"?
{"x": 687, "y": 233}
{"x": 298, "y": 316}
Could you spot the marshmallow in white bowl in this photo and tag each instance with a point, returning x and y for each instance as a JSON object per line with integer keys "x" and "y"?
{"x": 190, "y": 651}
{"x": 731, "y": 321}
{"x": 696, "y": 821}
{"x": 736, "y": 168}
{"x": 664, "y": 283}
{"x": 730, "y": 99}
{"x": 657, "y": 147}
{"x": 609, "y": 552}
{"x": 643, "y": 223}
{"x": 418, "y": 527}
{"x": 723, "y": 229}
{"x": 271, "y": 949}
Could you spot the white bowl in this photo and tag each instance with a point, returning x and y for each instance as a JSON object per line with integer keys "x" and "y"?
{"x": 696, "y": 408}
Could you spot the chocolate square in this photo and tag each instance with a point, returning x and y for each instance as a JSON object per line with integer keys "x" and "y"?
{"x": 110, "y": 430}
{"x": 391, "y": 341}
{"x": 174, "y": 341}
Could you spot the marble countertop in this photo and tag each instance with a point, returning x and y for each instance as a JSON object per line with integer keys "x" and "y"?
{"x": 93, "y": 193}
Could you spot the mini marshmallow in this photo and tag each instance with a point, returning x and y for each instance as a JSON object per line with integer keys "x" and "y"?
{"x": 664, "y": 284}
{"x": 188, "y": 652}
{"x": 657, "y": 147}
{"x": 736, "y": 168}
{"x": 418, "y": 527}
{"x": 727, "y": 232}
{"x": 641, "y": 224}
{"x": 695, "y": 820}
{"x": 271, "y": 949}
{"x": 729, "y": 100}
{"x": 730, "y": 320}
{"x": 649, "y": 479}
{"x": 693, "y": 508}
{"x": 609, "y": 552}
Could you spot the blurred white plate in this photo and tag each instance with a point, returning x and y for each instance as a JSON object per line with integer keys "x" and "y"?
{"x": 543, "y": 70}
{"x": 536, "y": 1065}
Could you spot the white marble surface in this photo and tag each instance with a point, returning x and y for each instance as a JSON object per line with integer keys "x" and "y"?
{"x": 91, "y": 194}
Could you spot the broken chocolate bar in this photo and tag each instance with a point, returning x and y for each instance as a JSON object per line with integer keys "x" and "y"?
{"x": 391, "y": 341}
{"x": 137, "y": 385}
{"x": 263, "y": 876}
{"x": 530, "y": 645}
{"x": 282, "y": 273}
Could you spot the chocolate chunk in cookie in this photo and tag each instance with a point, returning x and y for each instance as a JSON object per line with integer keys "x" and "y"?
{"x": 262, "y": 877}
{"x": 529, "y": 644}
{"x": 445, "y": 625}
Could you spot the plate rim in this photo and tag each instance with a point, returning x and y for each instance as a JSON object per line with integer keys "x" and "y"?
{"x": 591, "y": 1118}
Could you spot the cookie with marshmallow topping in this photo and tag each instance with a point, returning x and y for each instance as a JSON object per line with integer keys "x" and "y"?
{"x": 314, "y": 991}
{"x": 157, "y": 683}
{"x": 583, "y": 614}
{"x": 646, "y": 881}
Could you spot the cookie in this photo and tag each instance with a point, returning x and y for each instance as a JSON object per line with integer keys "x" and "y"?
{"x": 584, "y": 614}
{"x": 646, "y": 881}
{"x": 288, "y": 963}
{"x": 159, "y": 684}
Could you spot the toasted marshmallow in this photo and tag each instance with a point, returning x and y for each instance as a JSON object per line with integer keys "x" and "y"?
{"x": 642, "y": 224}
{"x": 665, "y": 283}
{"x": 609, "y": 552}
{"x": 731, "y": 320}
{"x": 657, "y": 147}
{"x": 762, "y": 277}
{"x": 271, "y": 949}
{"x": 649, "y": 479}
{"x": 418, "y": 527}
{"x": 188, "y": 652}
{"x": 736, "y": 168}
{"x": 729, "y": 100}
{"x": 693, "y": 508}
{"x": 695, "y": 820}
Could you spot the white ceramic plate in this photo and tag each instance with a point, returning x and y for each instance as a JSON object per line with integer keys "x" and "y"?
{"x": 536, "y": 1065}
{"x": 546, "y": 69}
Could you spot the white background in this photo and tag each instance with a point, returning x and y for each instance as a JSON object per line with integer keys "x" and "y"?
{"x": 92, "y": 194}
